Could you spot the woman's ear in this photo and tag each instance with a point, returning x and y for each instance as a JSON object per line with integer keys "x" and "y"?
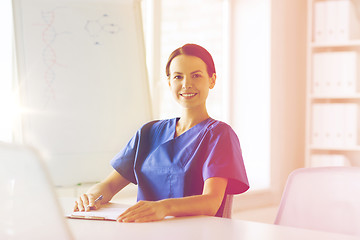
{"x": 212, "y": 81}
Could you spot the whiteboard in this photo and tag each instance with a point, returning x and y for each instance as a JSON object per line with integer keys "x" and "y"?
{"x": 82, "y": 81}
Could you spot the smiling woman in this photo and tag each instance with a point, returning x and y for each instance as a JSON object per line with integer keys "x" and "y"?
{"x": 183, "y": 166}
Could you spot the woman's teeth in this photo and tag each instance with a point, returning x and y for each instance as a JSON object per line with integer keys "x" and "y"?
{"x": 188, "y": 94}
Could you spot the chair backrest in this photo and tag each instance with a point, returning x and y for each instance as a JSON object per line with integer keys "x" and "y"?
{"x": 323, "y": 198}
{"x": 225, "y": 210}
{"x": 228, "y": 206}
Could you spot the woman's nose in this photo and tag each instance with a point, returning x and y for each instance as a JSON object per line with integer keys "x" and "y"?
{"x": 187, "y": 83}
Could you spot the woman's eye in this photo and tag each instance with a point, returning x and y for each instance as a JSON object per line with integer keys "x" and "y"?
{"x": 178, "y": 77}
{"x": 196, "y": 75}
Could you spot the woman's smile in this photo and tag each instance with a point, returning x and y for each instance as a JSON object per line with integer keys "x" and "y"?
{"x": 188, "y": 95}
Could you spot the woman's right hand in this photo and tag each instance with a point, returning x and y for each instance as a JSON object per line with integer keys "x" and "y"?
{"x": 86, "y": 202}
{"x": 107, "y": 188}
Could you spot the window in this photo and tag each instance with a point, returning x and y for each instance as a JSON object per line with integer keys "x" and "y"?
{"x": 7, "y": 108}
{"x": 236, "y": 33}
{"x": 250, "y": 86}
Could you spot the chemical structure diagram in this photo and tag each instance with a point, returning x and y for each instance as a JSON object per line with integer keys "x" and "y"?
{"x": 97, "y": 28}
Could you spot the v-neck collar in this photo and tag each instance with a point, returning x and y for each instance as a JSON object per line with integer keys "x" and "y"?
{"x": 197, "y": 127}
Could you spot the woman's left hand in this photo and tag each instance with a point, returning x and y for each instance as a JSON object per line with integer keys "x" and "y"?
{"x": 144, "y": 211}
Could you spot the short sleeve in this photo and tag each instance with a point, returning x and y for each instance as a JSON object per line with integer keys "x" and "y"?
{"x": 223, "y": 158}
{"x": 123, "y": 162}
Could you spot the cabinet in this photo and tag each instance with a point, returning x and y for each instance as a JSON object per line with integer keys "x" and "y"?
{"x": 333, "y": 86}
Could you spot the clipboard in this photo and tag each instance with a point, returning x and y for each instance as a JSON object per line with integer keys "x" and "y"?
{"x": 107, "y": 212}
{"x": 89, "y": 217}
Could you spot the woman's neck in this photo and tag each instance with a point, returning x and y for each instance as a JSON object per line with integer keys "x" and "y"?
{"x": 189, "y": 119}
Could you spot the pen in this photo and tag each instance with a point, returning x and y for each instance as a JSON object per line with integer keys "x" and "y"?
{"x": 98, "y": 199}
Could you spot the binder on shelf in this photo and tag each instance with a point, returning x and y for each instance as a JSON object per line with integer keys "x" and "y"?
{"x": 335, "y": 21}
{"x": 335, "y": 73}
{"x": 331, "y": 72}
{"x": 319, "y": 22}
{"x": 348, "y": 72}
{"x": 347, "y": 26}
{"x": 330, "y": 20}
{"x": 343, "y": 72}
{"x": 335, "y": 125}
{"x": 317, "y": 133}
{"x": 327, "y": 123}
{"x": 323, "y": 72}
{"x": 318, "y": 78}
{"x": 351, "y": 124}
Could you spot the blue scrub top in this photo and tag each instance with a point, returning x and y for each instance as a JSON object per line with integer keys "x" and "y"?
{"x": 164, "y": 166}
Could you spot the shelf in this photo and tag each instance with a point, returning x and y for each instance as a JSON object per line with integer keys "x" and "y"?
{"x": 320, "y": 115}
{"x": 355, "y": 148}
{"x": 350, "y": 43}
{"x": 355, "y": 96}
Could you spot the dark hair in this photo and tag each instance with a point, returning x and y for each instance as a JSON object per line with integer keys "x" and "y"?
{"x": 196, "y": 51}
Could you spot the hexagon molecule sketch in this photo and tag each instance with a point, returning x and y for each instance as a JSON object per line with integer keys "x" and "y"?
{"x": 103, "y": 25}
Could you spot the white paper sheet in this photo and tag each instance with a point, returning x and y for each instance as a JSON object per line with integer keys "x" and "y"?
{"x": 107, "y": 212}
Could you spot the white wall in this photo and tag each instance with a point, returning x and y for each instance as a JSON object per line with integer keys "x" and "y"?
{"x": 288, "y": 82}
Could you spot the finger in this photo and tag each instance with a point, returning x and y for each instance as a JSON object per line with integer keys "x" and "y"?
{"x": 97, "y": 205}
{"x": 80, "y": 204}
{"x": 132, "y": 218}
{"x": 150, "y": 215}
{"x": 133, "y": 208}
{"x": 91, "y": 200}
{"x": 85, "y": 202}
{"x": 76, "y": 206}
{"x": 136, "y": 214}
{"x": 141, "y": 217}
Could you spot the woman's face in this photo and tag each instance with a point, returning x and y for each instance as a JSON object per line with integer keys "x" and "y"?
{"x": 189, "y": 81}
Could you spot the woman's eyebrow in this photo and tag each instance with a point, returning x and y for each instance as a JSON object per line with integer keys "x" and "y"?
{"x": 177, "y": 73}
{"x": 196, "y": 71}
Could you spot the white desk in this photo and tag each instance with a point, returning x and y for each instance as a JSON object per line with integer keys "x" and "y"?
{"x": 197, "y": 228}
